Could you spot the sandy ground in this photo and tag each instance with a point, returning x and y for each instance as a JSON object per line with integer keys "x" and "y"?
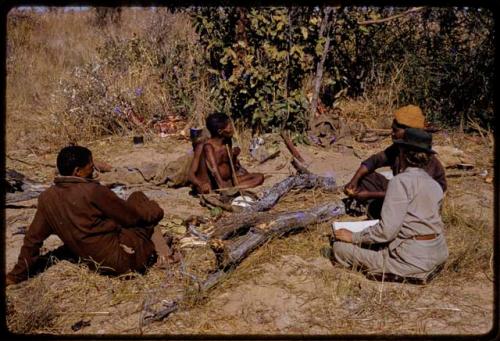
{"x": 287, "y": 287}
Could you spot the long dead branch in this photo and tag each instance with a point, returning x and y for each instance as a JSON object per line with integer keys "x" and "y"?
{"x": 45, "y": 164}
{"x": 291, "y": 147}
{"x": 230, "y": 253}
{"x": 236, "y": 251}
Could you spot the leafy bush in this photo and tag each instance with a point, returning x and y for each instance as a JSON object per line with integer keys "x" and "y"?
{"x": 446, "y": 57}
{"x": 263, "y": 60}
{"x": 258, "y": 60}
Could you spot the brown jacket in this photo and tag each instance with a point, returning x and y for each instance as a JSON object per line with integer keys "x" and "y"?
{"x": 92, "y": 222}
{"x": 390, "y": 157}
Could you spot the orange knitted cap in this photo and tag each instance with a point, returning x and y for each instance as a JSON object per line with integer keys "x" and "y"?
{"x": 410, "y": 116}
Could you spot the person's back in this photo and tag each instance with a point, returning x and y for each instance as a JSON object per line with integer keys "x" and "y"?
{"x": 91, "y": 220}
{"x": 87, "y": 215}
{"x": 425, "y": 199}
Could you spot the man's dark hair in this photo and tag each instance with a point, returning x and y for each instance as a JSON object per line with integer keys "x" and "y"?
{"x": 71, "y": 157}
{"x": 215, "y": 122}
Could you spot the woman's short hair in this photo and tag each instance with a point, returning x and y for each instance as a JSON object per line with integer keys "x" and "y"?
{"x": 416, "y": 158}
{"x": 71, "y": 157}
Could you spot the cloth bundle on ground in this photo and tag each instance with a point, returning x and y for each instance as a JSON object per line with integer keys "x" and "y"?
{"x": 173, "y": 174}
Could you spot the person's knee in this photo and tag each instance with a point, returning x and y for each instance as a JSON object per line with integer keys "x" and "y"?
{"x": 341, "y": 251}
{"x": 259, "y": 178}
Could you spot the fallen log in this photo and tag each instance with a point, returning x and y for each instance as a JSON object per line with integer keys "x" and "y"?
{"x": 229, "y": 254}
{"x": 271, "y": 196}
{"x": 251, "y": 215}
{"x": 228, "y": 227}
{"x": 236, "y": 251}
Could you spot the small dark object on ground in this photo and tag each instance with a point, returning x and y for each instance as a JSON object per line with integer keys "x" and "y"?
{"x": 20, "y": 230}
{"x": 138, "y": 140}
{"x": 79, "y": 325}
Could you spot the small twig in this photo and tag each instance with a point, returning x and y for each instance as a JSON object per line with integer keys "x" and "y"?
{"x": 20, "y": 206}
{"x": 302, "y": 169}
{"x": 269, "y": 157}
{"x": 381, "y": 132}
{"x": 88, "y": 312}
{"x": 31, "y": 163}
{"x": 452, "y": 309}
{"x": 462, "y": 174}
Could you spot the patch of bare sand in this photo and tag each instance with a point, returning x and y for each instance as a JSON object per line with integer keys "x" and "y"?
{"x": 177, "y": 202}
{"x": 16, "y": 221}
{"x": 296, "y": 295}
{"x": 320, "y": 161}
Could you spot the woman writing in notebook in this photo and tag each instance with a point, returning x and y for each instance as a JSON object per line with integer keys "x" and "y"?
{"x": 410, "y": 229}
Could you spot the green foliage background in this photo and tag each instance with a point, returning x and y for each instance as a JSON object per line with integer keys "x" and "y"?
{"x": 259, "y": 65}
{"x": 262, "y": 60}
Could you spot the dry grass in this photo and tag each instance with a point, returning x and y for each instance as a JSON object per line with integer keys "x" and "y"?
{"x": 470, "y": 241}
{"x": 57, "y": 68}
{"x": 70, "y": 292}
{"x": 375, "y": 108}
{"x": 345, "y": 301}
{"x": 35, "y": 66}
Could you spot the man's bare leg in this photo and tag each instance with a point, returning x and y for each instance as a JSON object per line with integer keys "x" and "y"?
{"x": 250, "y": 180}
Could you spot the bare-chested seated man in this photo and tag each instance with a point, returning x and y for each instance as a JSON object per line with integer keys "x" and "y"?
{"x": 112, "y": 234}
{"x": 211, "y": 167}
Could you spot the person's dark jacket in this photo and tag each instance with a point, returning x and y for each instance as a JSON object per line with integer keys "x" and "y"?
{"x": 93, "y": 223}
{"x": 390, "y": 158}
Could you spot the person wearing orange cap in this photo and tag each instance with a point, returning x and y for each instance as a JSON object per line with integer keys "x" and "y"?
{"x": 369, "y": 187}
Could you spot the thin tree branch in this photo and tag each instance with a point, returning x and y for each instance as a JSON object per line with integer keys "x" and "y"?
{"x": 379, "y": 21}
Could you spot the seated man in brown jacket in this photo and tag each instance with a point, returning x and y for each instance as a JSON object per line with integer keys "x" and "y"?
{"x": 368, "y": 186}
{"x": 92, "y": 221}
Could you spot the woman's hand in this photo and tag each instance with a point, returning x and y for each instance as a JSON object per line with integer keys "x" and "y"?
{"x": 343, "y": 235}
{"x": 350, "y": 188}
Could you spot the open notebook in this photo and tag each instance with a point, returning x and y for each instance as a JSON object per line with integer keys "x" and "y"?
{"x": 353, "y": 226}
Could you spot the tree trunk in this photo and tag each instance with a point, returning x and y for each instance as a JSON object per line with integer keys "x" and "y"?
{"x": 325, "y": 25}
